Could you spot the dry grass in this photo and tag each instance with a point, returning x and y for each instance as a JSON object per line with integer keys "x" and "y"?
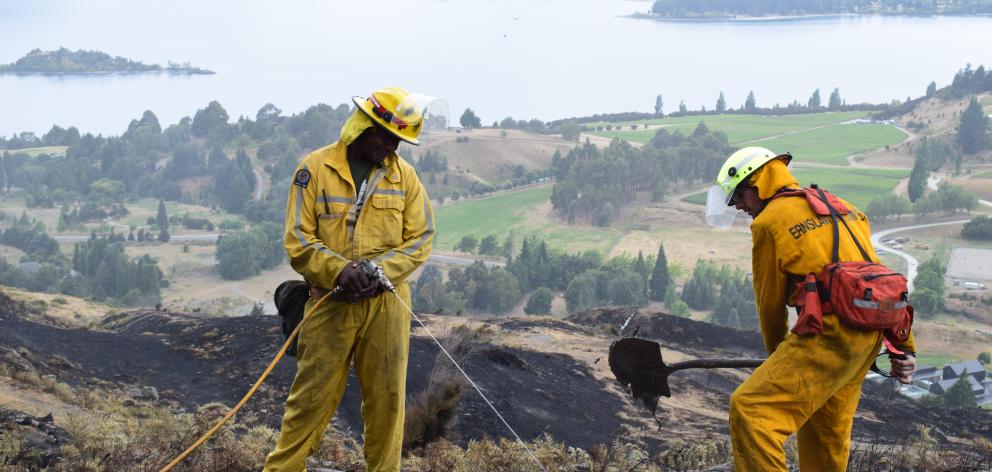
{"x": 65, "y": 310}
{"x": 489, "y": 157}
{"x": 429, "y": 415}
{"x": 921, "y": 454}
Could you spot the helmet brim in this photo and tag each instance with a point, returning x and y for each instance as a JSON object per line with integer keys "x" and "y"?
{"x": 363, "y": 105}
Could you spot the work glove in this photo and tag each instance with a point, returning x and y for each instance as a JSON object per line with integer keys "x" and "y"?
{"x": 903, "y": 368}
{"x": 356, "y": 284}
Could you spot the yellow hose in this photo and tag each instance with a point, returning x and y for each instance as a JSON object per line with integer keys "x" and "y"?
{"x": 234, "y": 411}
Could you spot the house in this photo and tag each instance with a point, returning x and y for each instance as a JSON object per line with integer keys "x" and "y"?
{"x": 973, "y": 368}
{"x": 937, "y": 381}
{"x": 941, "y": 387}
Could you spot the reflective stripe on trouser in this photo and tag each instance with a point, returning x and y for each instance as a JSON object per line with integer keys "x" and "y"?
{"x": 376, "y": 333}
{"x": 810, "y": 384}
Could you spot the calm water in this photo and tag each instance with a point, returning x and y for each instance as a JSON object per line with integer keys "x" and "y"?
{"x": 526, "y": 58}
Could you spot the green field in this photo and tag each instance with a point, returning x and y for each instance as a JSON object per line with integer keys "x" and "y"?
{"x": 517, "y": 212}
{"x": 936, "y": 360}
{"x": 832, "y": 145}
{"x": 739, "y": 128}
{"x": 983, "y": 175}
{"x": 859, "y": 186}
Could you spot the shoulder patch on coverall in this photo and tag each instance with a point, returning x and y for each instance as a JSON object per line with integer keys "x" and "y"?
{"x": 302, "y": 178}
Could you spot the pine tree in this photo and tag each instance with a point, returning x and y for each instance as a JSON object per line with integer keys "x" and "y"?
{"x": 659, "y": 104}
{"x": 721, "y": 104}
{"x": 749, "y": 104}
{"x": 834, "y": 101}
{"x": 244, "y": 165}
{"x": 917, "y": 179}
{"x": 162, "y": 219}
{"x": 960, "y": 394}
{"x": 508, "y": 247}
{"x": 814, "y": 100}
{"x": 973, "y": 130}
{"x": 660, "y": 280}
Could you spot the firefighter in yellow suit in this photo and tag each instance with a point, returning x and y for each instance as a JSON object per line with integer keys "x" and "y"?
{"x": 334, "y": 219}
{"x": 810, "y": 384}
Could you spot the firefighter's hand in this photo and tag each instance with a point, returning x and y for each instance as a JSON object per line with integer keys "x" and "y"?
{"x": 357, "y": 286}
{"x": 903, "y": 369}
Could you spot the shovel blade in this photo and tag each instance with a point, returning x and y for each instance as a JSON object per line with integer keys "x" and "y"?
{"x": 637, "y": 363}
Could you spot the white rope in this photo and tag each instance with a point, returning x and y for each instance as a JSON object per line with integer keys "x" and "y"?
{"x": 476, "y": 387}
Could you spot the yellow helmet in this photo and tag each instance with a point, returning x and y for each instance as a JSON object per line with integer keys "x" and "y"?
{"x": 720, "y": 211}
{"x": 396, "y": 110}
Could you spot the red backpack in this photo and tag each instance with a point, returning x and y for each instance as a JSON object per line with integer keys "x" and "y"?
{"x": 865, "y": 295}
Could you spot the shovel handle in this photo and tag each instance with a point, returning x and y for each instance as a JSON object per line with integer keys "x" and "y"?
{"x": 715, "y": 363}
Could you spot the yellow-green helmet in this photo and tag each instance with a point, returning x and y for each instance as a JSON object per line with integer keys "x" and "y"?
{"x": 736, "y": 170}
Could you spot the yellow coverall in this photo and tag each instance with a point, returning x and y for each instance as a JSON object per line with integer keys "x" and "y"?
{"x": 810, "y": 384}
{"x": 395, "y": 229}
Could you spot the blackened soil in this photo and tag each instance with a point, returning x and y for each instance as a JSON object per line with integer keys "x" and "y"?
{"x": 683, "y": 334}
{"x": 194, "y": 360}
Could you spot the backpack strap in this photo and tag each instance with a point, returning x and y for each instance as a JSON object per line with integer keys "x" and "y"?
{"x": 788, "y": 192}
{"x": 834, "y": 216}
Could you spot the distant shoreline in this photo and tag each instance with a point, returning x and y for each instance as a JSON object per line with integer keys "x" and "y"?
{"x": 105, "y": 73}
{"x": 772, "y": 18}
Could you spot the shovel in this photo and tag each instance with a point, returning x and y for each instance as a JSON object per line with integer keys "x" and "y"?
{"x": 637, "y": 363}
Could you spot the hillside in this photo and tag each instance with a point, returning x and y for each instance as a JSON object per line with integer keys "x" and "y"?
{"x": 545, "y": 376}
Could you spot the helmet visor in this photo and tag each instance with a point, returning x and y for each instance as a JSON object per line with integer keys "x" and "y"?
{"x": 718, "y": 214}
{"x": 433, "y": 112}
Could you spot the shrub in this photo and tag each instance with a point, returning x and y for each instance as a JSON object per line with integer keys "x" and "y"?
{"x": 539, "y": 302}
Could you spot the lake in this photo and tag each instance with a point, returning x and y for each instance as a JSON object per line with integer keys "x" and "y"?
{"x": 523, "y": 58}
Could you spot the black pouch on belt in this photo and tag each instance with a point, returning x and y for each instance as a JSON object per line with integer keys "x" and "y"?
{"x": 291, "y": 299}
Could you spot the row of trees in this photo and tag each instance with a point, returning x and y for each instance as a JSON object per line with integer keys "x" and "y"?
{"x": 586, "y": 280}
{"x": 593, "y": 184}
{"x": 103, "y": 170}
{"x": 750, "y": 104}
{"x": 948, "y": 199}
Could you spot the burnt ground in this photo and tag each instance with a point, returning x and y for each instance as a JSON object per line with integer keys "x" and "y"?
{"x": 193, "y": 360}
{"x": 883, "y": 415}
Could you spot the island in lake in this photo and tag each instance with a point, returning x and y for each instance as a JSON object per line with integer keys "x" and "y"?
{"x": 66, "y": 62}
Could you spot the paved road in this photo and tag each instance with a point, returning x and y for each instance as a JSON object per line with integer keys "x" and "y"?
{"x": 70, "y": 238}
{"x": 911, "y": 263}
{"x": 463, "y": 261}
